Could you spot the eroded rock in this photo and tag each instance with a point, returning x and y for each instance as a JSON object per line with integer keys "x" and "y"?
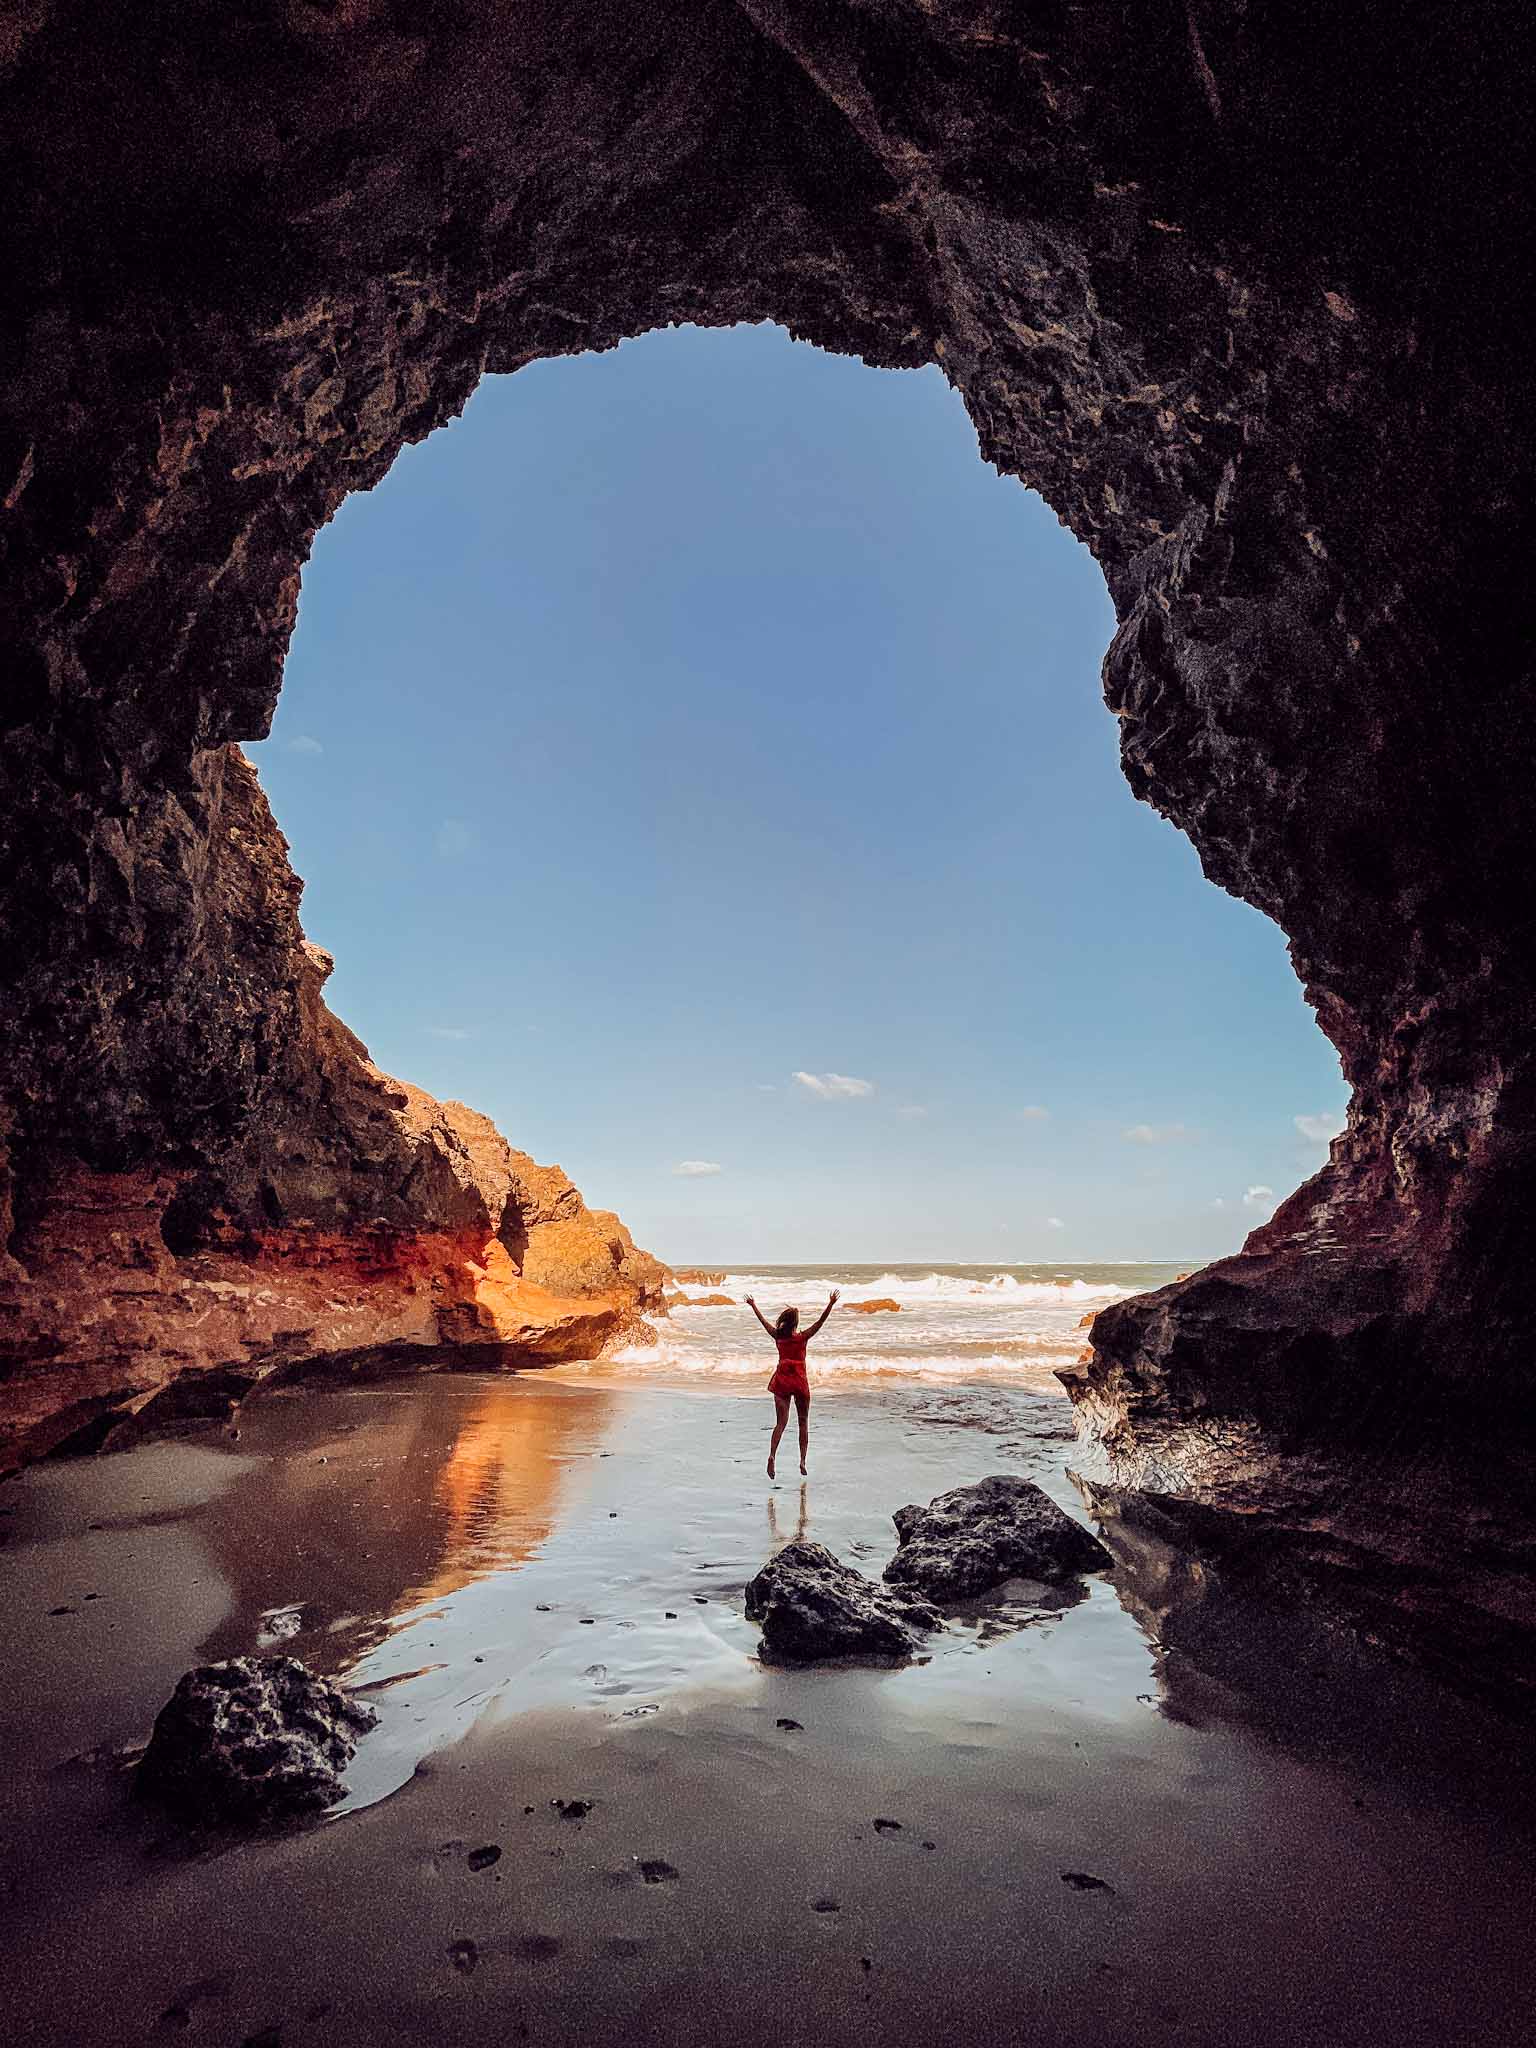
{"x": 969, "y": 1540}
{"x": 812, "y": 1607}
{"x": 253, "y": 1738}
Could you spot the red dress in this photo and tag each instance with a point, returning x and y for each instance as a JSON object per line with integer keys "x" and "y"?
{"x": 789, "y": 1375}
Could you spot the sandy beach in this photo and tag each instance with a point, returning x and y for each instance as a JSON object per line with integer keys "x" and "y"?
{"x": 1030, "y": 1836}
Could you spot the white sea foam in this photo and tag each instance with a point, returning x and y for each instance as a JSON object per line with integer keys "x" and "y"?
{"x": 976, "y": 1322}
{"x": 936, "y": 1287}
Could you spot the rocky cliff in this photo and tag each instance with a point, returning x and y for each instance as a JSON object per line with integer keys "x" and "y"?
{"x": 338, "y": 1214}
{"x": 1229, "y": 286}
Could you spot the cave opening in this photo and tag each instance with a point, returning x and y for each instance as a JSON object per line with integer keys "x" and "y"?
{"x": 703, "y": 712}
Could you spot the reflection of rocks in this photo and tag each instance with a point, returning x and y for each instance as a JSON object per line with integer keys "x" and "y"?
{"x": 256, "y": 1738}
{"x": 813, "y": 1607}
{"x": 1287, "y": 1625}
{"x": 359, "y": 1505}
{"x": 973, "y": 1538}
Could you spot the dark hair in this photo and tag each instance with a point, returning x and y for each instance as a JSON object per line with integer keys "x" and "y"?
{"x": 787, "y": 1322}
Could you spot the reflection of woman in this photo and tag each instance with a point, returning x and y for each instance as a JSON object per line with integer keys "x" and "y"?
{"x": 789, "y": 1382}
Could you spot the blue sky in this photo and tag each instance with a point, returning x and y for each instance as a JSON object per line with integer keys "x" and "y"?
{"x": 704, "y": 715}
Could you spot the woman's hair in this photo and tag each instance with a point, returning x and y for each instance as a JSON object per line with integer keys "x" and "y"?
{"x": 787, "y": 1322}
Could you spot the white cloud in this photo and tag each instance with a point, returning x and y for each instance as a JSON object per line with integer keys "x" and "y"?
{"x": 833, "y": 1087}
{"x": 453, "y": 838}
{"x": 446, "y": 1031}
{"x": 912, "y": 1109}
{"x": 1054, "y": 1223}
{"x": 303, "y": 743}
{"x": 765, "y": 1088}
{"x": 1220, "y": 1202}
{"x": 1154, "y": 1134}
{"x": 1322, "y": 1128}
{"x": 1259, "y": 1197}
{"x": 1032, "y": 1113}
{"x": 693, "y": 1169}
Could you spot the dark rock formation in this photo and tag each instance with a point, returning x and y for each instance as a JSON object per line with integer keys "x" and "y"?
{"x": 256, "y": 1738}
{"x": 1230, "y": 287}
{"x": 972, "y": 1539}
{"x": 813, "y": 1608}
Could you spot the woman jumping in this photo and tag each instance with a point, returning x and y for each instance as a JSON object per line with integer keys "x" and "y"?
{"x": 789, "y": 1381}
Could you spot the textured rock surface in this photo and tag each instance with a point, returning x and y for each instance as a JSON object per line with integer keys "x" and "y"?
{"x": 812, "y": 1607}
{"x": 973, "y": 1538}
{"x": 1230, "y": 287}
{"x": 256, "y": 1738}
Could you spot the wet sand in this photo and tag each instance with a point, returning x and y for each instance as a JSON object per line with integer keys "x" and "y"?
{"x": 543, "y": 1578}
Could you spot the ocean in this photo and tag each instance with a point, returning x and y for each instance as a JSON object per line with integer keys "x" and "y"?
{"x": 954, "y": 1323}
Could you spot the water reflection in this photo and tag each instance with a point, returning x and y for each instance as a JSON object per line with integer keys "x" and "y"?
{"x": 776, "y": 1527}
{"x": 370, "y": 1502}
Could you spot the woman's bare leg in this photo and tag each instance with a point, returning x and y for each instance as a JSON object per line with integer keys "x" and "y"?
{"x": 803, "y": 1409}
{"x": 781, "y": 1419}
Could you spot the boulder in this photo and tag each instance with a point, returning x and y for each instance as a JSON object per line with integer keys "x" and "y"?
{"x": 254, "y": 1738}
{"x": 874, "y": 1308}
{"x": 813, "y": 1607}
{"x": 707, "y": 1301}
{"x": 968, "y": 1541}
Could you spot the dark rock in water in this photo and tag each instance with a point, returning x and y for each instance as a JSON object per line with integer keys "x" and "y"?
{"x": 253, "y": 1738}
{"x": 812, "y": 1606}
{"x": 974, "y": 1538}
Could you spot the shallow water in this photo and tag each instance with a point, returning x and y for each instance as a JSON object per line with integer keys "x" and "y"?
{"x": 543, "y": 1577}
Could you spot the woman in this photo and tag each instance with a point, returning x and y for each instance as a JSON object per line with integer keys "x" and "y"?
{"x": 789, "y": 1381}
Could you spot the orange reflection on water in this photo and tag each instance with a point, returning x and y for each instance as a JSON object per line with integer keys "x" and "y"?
{"x": 360, "y": 1503}
{"x": 500, "y": 1486}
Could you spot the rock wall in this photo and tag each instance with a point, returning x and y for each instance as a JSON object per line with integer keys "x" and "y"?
{"x": 1229, "y": 286}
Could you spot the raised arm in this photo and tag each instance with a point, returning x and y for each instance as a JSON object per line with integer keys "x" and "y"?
{"x": 751, "y": 1304}
{"x": 831, "y": 1304}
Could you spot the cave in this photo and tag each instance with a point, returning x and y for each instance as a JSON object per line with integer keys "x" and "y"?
{"x": 1228, "y": 287}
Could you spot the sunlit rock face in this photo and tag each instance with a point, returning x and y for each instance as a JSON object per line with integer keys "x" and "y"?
{"x": 1227, "y": 286}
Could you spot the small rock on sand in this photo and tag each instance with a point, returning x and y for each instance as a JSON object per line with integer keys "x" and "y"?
{"x": 785, "y": 1722}
{"x": 252, "y": 1738}
{"x": 1080, "y": 1881}
{"x": 572, "y": 1809}
{"x": 655, "y": 1871}
{"x": 463, "y": 1955}
{"x": 482, "y": 1859}
{"x": 812, "y": 1606}
{"x": 972, "y": 1539}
